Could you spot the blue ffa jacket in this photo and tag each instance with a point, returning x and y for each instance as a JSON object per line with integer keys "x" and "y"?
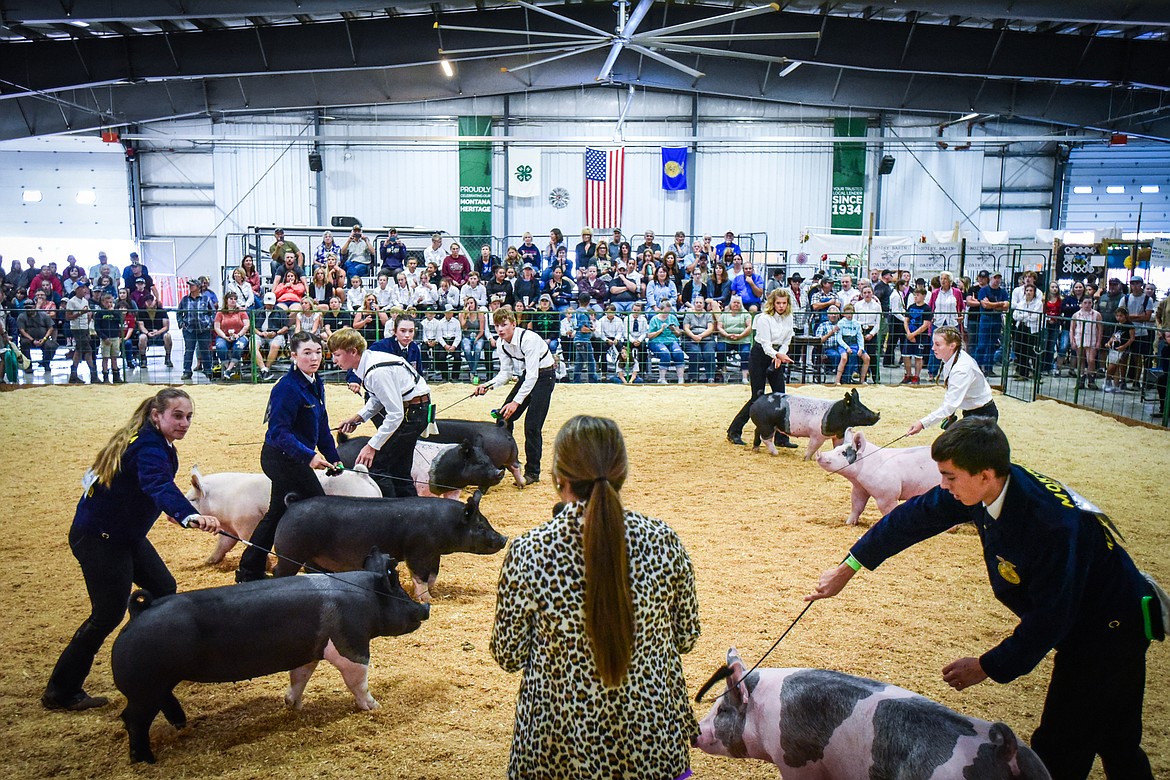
{"x": 1059, "y": 567}
{"x": 143, "y": 487}
{"x": 297, "y": 421}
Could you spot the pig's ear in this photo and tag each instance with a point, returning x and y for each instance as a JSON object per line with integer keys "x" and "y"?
{"x": 1004, "y": 741}
{"x": 472, "y": 509}
{"x": 736, "y": 686}
{"x": 858, "y": 439}
{"x": 854, "y": 396}
{"x": 375, "y": 561}
{"x": 848, "y": 399}
{"x": 465, "y": 447}
{"x": 197, "y": 480}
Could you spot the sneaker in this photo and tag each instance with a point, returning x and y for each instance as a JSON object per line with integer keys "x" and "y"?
{"x": 265, "y": 375}
{"x": 906, "y": 379}
{"x": 167, "y": 362}
{"x": 78, "y": 702}
{"x": 787, "y": 443}
{"x": 1092, "y": 385}
{"x": 186, "y": 375}
{"x": 914, "y": 381}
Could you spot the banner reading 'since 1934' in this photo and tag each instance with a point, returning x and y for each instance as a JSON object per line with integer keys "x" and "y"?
{"x": 475, "y": 184}
{"x": 848, "y": 177}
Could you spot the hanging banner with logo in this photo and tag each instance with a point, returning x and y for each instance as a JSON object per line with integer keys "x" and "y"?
{"x": 674, "y": 168}
{"x": 475, "y": 181}
{"x": 523, "y": 172}
{"x": 848, "y": 203}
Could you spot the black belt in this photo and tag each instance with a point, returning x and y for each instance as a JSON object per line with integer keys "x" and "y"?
{"x": 422, "y": 399}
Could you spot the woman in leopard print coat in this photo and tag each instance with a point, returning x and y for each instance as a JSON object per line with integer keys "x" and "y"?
{"x": 595, "y": 607}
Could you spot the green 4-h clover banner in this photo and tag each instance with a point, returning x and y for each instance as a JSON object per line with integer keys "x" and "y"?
{"x": 523, "y": 171}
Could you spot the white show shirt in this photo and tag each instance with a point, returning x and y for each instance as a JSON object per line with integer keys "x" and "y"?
{"x": 868, "y": 314}
{"x": 525, "y": 356}
{"x": 967, "y": 388}
{"x": 389, "y": 388}
{"x": 773, "y": 333}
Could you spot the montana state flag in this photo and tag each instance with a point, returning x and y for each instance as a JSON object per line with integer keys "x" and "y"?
{"x": 674, "y": 168}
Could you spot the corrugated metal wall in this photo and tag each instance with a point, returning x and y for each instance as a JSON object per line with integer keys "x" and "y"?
{"x": 253, "y": 171}
{"x": 1129, "y": 167}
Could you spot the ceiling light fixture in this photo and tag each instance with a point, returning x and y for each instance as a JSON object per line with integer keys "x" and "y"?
{"x": 790, "y": 68}
{"x": 447, "y": 68}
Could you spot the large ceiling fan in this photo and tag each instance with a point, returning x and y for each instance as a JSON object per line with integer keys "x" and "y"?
{"x": 651, "y": 43}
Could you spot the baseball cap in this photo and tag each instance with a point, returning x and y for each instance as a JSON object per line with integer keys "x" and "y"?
{"x": 270, "y": 297}
{"x": 546, "y": 298}
{"x": 140, "y": 280}
{"x": 997, "y": 275}
{"x": 192, "y": 282}
{"x": 449, "y": 307}
{"x": 528, "y": 266}
{"x": 982, "y": 274}
{"x": 1114, "y": 280}
{"x": 1137, "y": 280}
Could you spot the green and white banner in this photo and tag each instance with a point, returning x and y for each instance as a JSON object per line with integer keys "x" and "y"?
{"x": 523, "y": 172}
{"x": 848, "y": 202}
{"x": 475, "y": 182}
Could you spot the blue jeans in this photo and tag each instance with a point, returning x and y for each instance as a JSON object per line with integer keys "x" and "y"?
{"x": 583, "y": 359}
{"x": 989, "y": 328}
{"x": 196, "y": 340}
{"x": 701, "y": 355}
{"x": 354, "y": 268}
{"x": 623, "y": 305}
{"x": 471, "y": 351}
{"x": 668, "y": 353}
{"x": 230, "y": 350}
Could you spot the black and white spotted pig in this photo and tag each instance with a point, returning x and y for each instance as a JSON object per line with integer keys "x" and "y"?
{"x": 817, "y": 418}
{"x": 815, "y": 723}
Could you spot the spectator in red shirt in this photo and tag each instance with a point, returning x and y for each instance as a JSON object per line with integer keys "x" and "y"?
{"x": 456, "y": 266}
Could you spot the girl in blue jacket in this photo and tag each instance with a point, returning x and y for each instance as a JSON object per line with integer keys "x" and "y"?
{"x": 129, "y": 485}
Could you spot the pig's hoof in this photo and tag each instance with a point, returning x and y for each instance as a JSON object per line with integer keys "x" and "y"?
{"x": 294, "y": 704}
{"x": 851, "y": 521}
{"x": 369, "y": 705}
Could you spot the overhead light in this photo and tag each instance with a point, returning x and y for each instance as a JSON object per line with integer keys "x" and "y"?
{"x": 80, "y": 24}
{"x": 1150, "y": 189}
{"x": 32, "y": 196}
{"x": 1115, "y": 189}
{"x": 968, "y": 117}
{"x": 1083, "y": 190}
{"x": 86, "y": 197}
{"x": 790, "y": 68}
{"x": 448, "y": 69}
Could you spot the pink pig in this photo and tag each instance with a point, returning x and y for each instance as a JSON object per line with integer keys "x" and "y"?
{"x": 816, "y": 723}
{"x": 889, "y": 475}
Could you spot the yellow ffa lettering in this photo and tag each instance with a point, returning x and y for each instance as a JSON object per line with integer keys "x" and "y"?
{"x": 1053, "y": 487}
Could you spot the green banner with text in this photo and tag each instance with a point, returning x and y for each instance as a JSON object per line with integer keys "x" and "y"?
{"x": 475, "y": 184}
{"x": 848, "y": 201}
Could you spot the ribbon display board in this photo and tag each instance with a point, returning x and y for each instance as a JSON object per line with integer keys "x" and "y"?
{"x": 475, "y": 184}
{"x": 848, "y": 202}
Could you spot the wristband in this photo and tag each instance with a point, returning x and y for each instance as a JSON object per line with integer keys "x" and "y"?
{"x": 852, "y": 562}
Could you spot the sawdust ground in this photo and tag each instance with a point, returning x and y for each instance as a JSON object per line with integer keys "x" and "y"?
{"x": 758, "y": 528}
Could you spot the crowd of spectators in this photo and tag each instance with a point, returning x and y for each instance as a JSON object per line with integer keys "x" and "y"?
{"x": 610, "y": 311}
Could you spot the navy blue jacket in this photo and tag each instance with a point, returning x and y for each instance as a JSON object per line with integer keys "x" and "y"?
{"x": 297, "y": 421}
{"x": 1061, "y": 569}
{"x": 143, "y": 487}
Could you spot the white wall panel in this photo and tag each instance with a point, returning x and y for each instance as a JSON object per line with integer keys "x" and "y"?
{"x": 915, "y": 194}
{"x": 403, "y": 186}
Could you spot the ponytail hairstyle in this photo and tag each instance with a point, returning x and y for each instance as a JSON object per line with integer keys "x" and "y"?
{"x": 590, "y": 456}
{"x": 109, "y": 460}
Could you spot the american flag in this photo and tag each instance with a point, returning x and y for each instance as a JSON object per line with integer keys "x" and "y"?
{"x": 605, "y": 173}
